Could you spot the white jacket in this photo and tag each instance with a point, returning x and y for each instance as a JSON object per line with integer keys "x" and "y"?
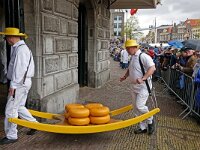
{"x": 19, "y": 61}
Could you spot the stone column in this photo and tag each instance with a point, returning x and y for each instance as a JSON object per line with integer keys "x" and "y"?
{"x": 52, "y": 28}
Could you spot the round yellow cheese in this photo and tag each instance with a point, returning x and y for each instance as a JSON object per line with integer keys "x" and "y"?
{"x": 99, "y": 111}
{"x": 79, "y": 121}
{"x": 93, "y": 105}
{"x": 100, "y": 120}
{"x": 69, "y": 106}
{"x": 79, "y": 112}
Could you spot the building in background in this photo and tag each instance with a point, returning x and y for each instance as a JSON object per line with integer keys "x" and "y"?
{"x": 164, "y": 33}
{"x": 189, "y": 29}
{"x": 181, "y": 31}
{"x": 117, "y": 23}
{"x": 193, "y": 28}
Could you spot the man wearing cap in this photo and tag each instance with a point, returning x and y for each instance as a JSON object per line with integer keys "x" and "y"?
{"x": 191, "y": 60}
{"x": 20, "y": 72}
{"x": 139, "y": 90}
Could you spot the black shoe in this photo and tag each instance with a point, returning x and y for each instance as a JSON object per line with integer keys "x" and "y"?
{"x": 139, "y": 131}
{"x": 31, "y": 132}
{"x": 5, "y": 140}
{"x": 151, "y": 128}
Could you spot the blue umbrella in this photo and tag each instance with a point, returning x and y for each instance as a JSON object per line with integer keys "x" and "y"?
{"x": 176, "y": 43}
{"x": 192, "y": 43}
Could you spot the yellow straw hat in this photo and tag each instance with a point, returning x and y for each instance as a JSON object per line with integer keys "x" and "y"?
{"x": 13, "y": 31}
{"x": 131, "y": 43}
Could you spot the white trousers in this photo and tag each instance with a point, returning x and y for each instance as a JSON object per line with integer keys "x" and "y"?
{"x": 15, "y": 108}
{"x": 139, "y": 103}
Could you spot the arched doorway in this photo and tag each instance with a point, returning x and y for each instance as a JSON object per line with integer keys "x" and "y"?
{"x": 82, "y": 46}
{"x": 86, "y": 43}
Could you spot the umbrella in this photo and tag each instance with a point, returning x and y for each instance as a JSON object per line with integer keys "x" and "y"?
{"x": 192, "y": 43}
{"x": 145, "y": 45}
{"x": 176, "y": 43}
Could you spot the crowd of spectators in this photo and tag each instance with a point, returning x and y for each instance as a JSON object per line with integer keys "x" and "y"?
{"x": 119, "y": 53}
{"x": 183, "y": 59}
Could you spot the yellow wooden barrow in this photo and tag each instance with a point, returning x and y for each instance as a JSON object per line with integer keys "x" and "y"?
{"x": 64, "y": 128}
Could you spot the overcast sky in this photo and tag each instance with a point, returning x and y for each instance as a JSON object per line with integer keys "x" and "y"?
{"x": 170, "y": 11}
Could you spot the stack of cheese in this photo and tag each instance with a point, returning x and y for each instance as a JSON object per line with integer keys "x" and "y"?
{"x": 99, "y": 114}
{"x": 77, "y": 114}
{"x": 94, "y": 113}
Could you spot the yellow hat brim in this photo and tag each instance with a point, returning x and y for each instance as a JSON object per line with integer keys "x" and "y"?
{"x": 20, "y": 34}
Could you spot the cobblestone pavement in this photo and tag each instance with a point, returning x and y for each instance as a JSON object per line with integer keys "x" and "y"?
{"x": 172, "y": 132}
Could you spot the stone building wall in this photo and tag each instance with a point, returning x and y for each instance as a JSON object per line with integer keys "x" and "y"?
{"x": 102, "y": 37}
{"x": 52, "y": 26}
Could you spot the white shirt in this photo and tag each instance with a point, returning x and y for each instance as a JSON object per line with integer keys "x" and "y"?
{"x": 125, "y": 56}
{"x": 135, "y": 71}
{"x": 19, "y": 61}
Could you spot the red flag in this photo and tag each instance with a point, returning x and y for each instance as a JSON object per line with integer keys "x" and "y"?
{"x": 133, "y": 11}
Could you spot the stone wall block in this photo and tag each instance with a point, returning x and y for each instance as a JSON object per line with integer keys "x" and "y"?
{"x": 63, "y": 8}
{"x": 75, "y": 75}
{"x": 63, "y": 26}
{"x": 105, "y": 65}
{"x": 56, "y": 103}
{"x": 31, "y": 44}
{"x": 47, "y": 5}
{"x": 73, "y": 60}
{"x": 48, "y": 45}
{"x": 100, "y": 23}
{"x": 98, "y": 10}
{"x": 38, "y": 66}
{"x": 28, "y": 7}
{"x": 63, "y": 45}
{"x": 74, "y": 44}
{"x": 30, "y": 20}
{"x": 105, "y": 23}
{"x": 99, "y": 66}
{"x": 104, "y": 45}
{"x": 50, "y": 24}
{"x": 73, "y": 28}
{"x": 107, "y": 36}
{"x": 98, "y": 45}
{"x": 37, "y": 93}
{"x": 64, "y": 62}
{"x": 75, "y": 13}
{"x": 103, "y": 55}
{"x": 100, "y": 33}
{"x": 108, "y": 13}
{"x": 51, "y": 64}
{"x": 100, "y": 55}
{"x": 48, "y": 85}
{"x": 102, "y": 78}
{"x": 107, "y": 55}
{"x": 63, "y": 79}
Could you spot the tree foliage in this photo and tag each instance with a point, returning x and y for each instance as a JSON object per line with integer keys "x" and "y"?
{"x": 130, "y": 28}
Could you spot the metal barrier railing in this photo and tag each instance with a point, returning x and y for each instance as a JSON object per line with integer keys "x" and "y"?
{"x": 165, "y": 75}
{"x": 185, "y": 91}
{"x": 196, "y": 102}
